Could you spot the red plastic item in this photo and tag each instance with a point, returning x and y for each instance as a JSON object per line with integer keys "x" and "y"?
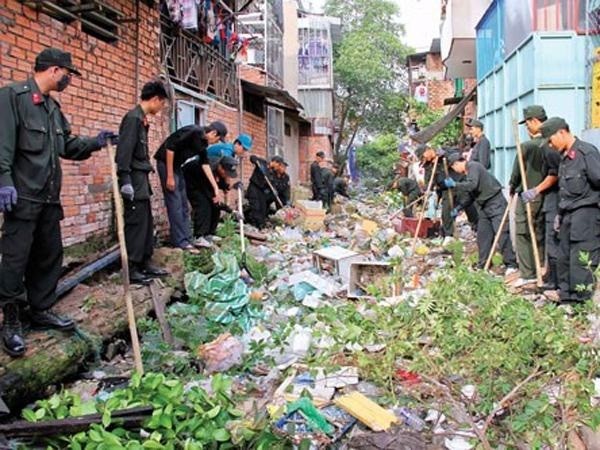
{"x": 407, "y": 377}
{"x": 409, "y": 225}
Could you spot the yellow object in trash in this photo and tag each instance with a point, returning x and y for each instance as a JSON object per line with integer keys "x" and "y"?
{"x": 367, "y": 411}
{"x": 421, "y": 250}
{"x": 369, "y": 226}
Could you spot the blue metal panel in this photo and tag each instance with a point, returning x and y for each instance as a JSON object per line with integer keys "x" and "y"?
{"x": 534, "y": 73}
{"x": 489, "y": 43}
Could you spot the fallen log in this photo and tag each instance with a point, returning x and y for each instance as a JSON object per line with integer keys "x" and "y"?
{"x": 100, "y": 315}
{"x": 127, "y": 418}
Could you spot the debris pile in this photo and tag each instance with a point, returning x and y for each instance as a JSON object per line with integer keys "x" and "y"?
{"x": 340, "y": 334}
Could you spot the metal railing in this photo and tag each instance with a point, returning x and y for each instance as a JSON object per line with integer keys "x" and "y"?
{"x": 194, "y": 65}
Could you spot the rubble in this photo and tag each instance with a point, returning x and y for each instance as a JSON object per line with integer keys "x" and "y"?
{"x": 406, "y": 346}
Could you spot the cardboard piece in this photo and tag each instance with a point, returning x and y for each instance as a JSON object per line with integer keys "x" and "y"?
{"x": 367, "y": 411}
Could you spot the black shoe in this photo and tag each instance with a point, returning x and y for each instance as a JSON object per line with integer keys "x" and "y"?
{"x": 12, "y": 333}
{"x": 150, "y": 270}
{"x": 48, "y": 319}
{"x": 137, "y": 277}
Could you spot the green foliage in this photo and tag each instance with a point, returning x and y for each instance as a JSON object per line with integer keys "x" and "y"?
{"x": 378, "y": 158}
{"x": 449, "y": 136}
{"x": 181, "y": 418}
{"x": 468, "y": 326}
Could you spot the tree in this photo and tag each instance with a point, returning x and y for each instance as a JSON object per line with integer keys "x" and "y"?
{"x": 378, "y": 158}
{"x": 425, "y": 116}
{"x": 369, "y": 71}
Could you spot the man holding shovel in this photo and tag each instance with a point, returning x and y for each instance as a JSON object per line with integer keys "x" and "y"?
{"x": 35, "y": 134}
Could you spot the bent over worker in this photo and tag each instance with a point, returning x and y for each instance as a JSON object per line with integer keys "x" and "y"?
{"x": 578, "y": 219}
{"x": 34, "y": 136}
{"x": 486, "y": 191}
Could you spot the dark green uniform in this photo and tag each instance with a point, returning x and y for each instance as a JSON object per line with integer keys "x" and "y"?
{"x": 486, "y": 191}
{"x": 327, "y": 196}
{"x": 133, "y": 167}
{"x": 579, "y": 182}
{"x": 550, "y": 208}
{"x": 535, "y": 172}
{"x": 411, "y": 191}
{"x": 319, "y": 188}
{"x": 34, "y": 134}
{"x": 258, "y": 193}
{"x": 482, "y": 152}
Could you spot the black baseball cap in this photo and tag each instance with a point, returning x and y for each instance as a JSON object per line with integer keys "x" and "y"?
{"x": 454, "y": 157}
{"x": 475, "y": 123}
{"x": 55, "y": 57}
{"x": 533, "y": 112}
{"x": 279, "y": 159}
{"x": 320, "y": 154}
{"x": 219, "y": 127}
{"x": 229, "y": 164}
{"x": 550, "y": 127}
{"x": 420, "y": 150}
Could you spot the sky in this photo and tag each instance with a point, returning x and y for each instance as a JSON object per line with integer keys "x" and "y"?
{"x": 421, "y": 19}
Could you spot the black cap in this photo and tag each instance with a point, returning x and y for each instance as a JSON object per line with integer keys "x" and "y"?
{"x": 454, "y": 157}
{"x": 230, "y": 165}
{"x": 533, "y": 112}
{"x": 279, "y": 159}
{"x": 55, "y": 57}
{"x": 551, "y": 126}
{"x": 320, "y": 154}
{"x": 219, "y": 127}
{"x": 475, "y": 123}
{"x": 420, "y": 150}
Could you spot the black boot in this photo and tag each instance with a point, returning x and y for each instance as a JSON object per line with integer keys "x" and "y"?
{"x": 136, "y": 276}
{"x": 151, "y": 271}
{"x": 12, "y": 332}
{"x": 551, "y": 278}
{"x": 48, "y": 319}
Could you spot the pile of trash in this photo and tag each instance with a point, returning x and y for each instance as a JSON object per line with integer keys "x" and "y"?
{"x": 355, "y": 334}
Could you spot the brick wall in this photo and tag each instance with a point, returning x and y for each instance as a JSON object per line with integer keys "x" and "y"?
{"x": 437, "y": 92}
{"x": 97, "y": 101}
{"x": 253, "y": 74}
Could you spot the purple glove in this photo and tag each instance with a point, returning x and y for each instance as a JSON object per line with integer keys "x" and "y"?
{"x": 104, "y": 137}
{"x": 8, "y": 198}
{"x": 529, "y": 195}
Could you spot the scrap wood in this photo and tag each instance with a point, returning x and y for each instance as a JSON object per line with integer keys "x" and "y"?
{"x": 159, "y": 302}
{"x": 367, "y": 411}
{"x": 127, "y": 418}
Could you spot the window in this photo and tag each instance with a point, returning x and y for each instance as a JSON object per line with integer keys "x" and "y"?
{"x": 189, "y": 113}
{"x": 275, "y": 131}
{"x": 97, "y": 17}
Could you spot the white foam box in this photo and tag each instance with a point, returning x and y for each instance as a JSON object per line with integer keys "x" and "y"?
{"x": 338, "y": 258}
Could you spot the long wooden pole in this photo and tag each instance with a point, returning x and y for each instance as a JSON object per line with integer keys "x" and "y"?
{"x": 532, "y": 234}
{"x": 135, "y": 342}
{"x": 425, "y": 198}
{"x": 497, "y": 237}
{"x": 414, "y": 202}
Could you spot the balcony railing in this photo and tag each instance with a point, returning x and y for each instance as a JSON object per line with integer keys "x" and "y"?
{"x": 194, "y": 65}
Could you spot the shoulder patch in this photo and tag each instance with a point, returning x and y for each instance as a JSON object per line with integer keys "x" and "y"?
{"x": 21, "y": 88}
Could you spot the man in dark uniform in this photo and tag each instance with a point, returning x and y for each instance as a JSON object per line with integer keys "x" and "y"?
{"x": 201, "y": 192}
{"x": 34, "y": 135}
{"x": 410, "y": 191}
{"x": 183, "y": 144}
{"x": 280, "y": 181}
{"x": 541, "y": 166}
{"x": 327, "y": 196}
{"x": 578, "y": 218}
{"x": 319, "y": 187}
{"x": 133, "y": 169}
{"x": 534, "y": 167}
{"x": 258, "y": 193}
{"x": 482, "y": 151}
{"x": 340, "y": 184}
{"x": 487, "y": 193}
{"x": 428, "y": 155}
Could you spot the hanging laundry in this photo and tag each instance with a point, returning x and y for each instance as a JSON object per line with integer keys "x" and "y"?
{"x": 189, "y": 14}
{"x": 174, "y": 8}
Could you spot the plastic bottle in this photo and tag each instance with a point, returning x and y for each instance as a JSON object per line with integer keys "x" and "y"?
{"x": 411, "y": 419}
